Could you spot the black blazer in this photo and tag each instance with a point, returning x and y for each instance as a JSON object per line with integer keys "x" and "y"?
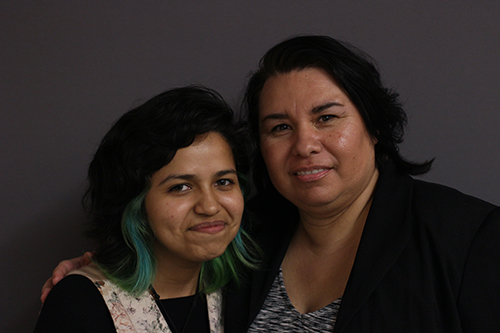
{"x": 428, "y": 261}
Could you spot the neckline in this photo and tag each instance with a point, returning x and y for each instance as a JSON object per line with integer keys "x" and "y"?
{"x": 164, "y": 311}
{"x": 282, "y": 289}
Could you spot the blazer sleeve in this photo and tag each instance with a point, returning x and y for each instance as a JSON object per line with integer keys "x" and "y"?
{"x": 74, "y": 305}
{"x": 479, "y": 297}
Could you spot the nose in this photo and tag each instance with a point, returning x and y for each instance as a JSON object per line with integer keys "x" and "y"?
{"x": 207, "y": 204}
{"x": 306, "y": 141}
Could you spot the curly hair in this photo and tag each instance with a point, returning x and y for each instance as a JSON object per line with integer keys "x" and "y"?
{"x": 356, "y": 74}
{"x": 141, "y": 142}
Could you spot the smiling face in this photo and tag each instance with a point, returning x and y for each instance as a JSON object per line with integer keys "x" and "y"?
{"x": 317, "y": 150}
{"x": 195, "y": 203}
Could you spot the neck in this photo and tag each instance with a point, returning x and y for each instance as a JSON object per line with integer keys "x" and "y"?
{"x": 173, "y": 281}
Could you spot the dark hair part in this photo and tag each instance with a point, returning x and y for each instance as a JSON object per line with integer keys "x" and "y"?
{"x": 141, "y": 142}
{"x": 356, "y": 74}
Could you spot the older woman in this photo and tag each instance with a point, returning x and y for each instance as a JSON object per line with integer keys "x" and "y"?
{"x": 353, "y": 243}
{"x": 165, "y": 202}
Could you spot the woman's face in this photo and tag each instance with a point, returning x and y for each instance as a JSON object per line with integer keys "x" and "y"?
{"x": 195, "y": 203}
{"x": 316, "y": 147}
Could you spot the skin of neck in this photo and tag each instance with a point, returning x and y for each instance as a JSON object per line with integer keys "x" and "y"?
{"x": 330, "y": 229}
{"x": 174, "y": 280}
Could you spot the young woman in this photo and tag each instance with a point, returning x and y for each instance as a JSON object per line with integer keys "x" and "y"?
{"x": 166, "y": 205}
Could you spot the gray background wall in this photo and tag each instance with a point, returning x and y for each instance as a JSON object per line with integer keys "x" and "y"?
{"x": 68, "y": 69}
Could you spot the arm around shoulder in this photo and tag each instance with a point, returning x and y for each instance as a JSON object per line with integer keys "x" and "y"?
{"x": 62, "y": 269}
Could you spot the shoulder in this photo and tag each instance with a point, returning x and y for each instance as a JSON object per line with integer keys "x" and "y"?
{"x": 440, "y": 215}
{"x": 429, "y": 198}
{"x": 74, "y": 304}
{"x": 73, "y": 289}
{"x": 460, "y": 225}
{"x": 444, "y": 203}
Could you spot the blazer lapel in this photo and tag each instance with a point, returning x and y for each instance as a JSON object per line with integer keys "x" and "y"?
{"x": 385, "y": 235}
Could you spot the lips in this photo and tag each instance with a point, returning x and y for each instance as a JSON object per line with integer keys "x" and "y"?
{"x": 209, "y": 227}
{"x": 311, "y": 173}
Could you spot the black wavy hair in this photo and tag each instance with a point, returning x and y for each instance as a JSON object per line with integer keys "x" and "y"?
{"x": 141, "y": 142}
{"x": 356, "y": 74}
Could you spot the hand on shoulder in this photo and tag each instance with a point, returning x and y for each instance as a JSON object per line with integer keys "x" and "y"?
{"x": 62, "y": 269}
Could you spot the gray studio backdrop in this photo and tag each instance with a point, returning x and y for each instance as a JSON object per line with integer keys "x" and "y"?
{"x": 68, "y": 69}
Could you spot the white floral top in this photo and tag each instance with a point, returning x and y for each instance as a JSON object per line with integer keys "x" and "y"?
{"x": 141, "y": 314}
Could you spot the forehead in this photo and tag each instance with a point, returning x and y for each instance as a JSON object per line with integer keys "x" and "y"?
{"x": 306, "y": 88}
{"x": 207, "y": 155}
{"x": 212, "y": 146}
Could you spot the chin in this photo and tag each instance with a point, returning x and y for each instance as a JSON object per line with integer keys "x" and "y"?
{"x": 314, "y": 198}
{"x": 212, "y": 254}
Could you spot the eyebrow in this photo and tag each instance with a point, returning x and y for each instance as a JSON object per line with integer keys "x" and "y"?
{"x": 275, "y": 116}
{"x": 315, "y": 110}
{"x": 188, "y": 176}
{"x": 322, "y": 107}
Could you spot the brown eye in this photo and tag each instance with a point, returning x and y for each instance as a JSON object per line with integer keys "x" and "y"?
{"x": 280, "y": 127}
{"x": 326, "y": 118}
{"x": 224, "y": 182}
{"x": 179, "y": 188}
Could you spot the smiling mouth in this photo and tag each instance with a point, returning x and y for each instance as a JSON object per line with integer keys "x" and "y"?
{"x": 209, "y": 227}
{"x": 309, "y": 172}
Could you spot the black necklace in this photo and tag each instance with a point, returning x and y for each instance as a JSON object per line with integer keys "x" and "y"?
{"x": 169, "y": 320}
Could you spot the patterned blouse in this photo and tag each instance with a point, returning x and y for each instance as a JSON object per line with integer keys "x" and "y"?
{"x": 279, "y": 315}
{"x": 142, "y": 314}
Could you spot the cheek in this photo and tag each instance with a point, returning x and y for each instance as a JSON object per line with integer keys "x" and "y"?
{"x": 342, "y": 142}
{"x": 353, "y": 141}
{"x": 361, "y": 152}
{"x": 235, "y": 205}
{"x": 265, "y": 149}
{"x": 166, "y": 216}
{"x": 274, "y": 158}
